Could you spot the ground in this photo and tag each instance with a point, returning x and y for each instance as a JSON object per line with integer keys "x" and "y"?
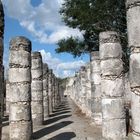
{"x": 65, "y": 123}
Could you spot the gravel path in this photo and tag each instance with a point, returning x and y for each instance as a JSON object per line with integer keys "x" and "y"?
{"x": 66, "y": 123}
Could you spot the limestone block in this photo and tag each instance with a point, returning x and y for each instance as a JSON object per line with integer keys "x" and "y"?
{"x": 134, "y": 70}
{"x": 45, "y": 84}
{"x": 133, "y": 21}
{"x": 23, "y": 75}
{"x": 97, "y": 118}
{"x": 20, "y": 111}
{"x": 135, "y": 110}
{"x": 36, "y": 73}
{"x": 94, "y": 55}
{"x": 113, "y": 88}
{"x": 37, "y": 96}
{"x": 37, "y": 119}
{"x": 45, "y": 93}
{"x": 20, "y": 92}
{"x": 135, "y": 137}
{"x": 18, "y": 130}
{"x": 18, "y": 60}
{"x": 36, "y": 60}
{"x": 114, "y": 129}
{"x": 110, "y": 50}
{"x": 109, "y": 67}
{"x": 37, "y": 85}
{"x": 96, "y": 91}
{"x": 96, "y": 78}
{"x": 96, "y": 105}
{"x": 113, "y": 108}
{"x": 95, "y": 66}
{"x": 37, "y": 107}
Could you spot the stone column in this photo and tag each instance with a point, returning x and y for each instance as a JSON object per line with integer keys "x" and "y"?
{"x": 133, "y": 24}
{"x": 20, "y": 89}
{"x": 113, "y": 126}
{"x": 45, "y": 92}
{"x": 7, "y": 97}
{"x": 96, "y": 108}
{"x": 83, "y": 88}
{"x": 88, "y": 90}
{"x": 37, "y": 89}
{"x": 1, "y": 59}
{"x": 50, "y": 90}
{"x": 3, "y": 92}
{"x": 56, "y": 92}
{"x": 53, "y": 91}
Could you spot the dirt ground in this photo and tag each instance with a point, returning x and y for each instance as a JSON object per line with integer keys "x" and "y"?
{"x": 65, "y": 123}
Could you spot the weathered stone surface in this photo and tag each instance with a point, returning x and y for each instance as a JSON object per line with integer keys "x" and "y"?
{"x": 36, "y": 74}
{"x": 114, "y": 129}
{"x": 20, "y": 89}
{"x": 96, "y": 78}
{"x": 113, "y": 88}
{"x": 37, "y": 86}
{"x": 37, "y": 89}
{"x": 36, "y": 107}
{"x": 50, "y": 90}
{"x": 20, "y": 130}
{"x": 96, "y": 105}
{"x": 112, "y": 85}
{"x": 36, "y": 96}
{"x": 24, "y": 74}
{"x": 20, "y": 55}
{"x": 107, "y": 65}
{"x": 96, "y": 89}
{"x": 134, "y": 70}
{"x": 22, "y": 111}
{"x": 19, "y": 92}
{"x": 133, "y": 20}
{"x": 109, "y": 50}
{"x": 7, "y": 97}
{"x": 113, "y": 108}
{"x": 135, "y": 110}
{"x": 96, "y": 112}
{"x": 95, "y": 65}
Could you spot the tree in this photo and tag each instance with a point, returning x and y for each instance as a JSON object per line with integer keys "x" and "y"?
{"x": 92, "y": 17}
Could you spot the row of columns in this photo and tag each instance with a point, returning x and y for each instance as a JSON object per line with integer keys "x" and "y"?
{"x": 100, "y": 88}
{"x": 32, "y": 91}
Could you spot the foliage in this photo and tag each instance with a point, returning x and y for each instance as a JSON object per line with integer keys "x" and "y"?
{"x": 92, "y": 17}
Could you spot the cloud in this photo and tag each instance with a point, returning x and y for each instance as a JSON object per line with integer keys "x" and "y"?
{"x": 60, "y": 68}
{"x": 43, "y": 22}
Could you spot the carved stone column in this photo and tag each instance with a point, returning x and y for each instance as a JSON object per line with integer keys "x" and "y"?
{"x": 37, "y": 89}
{"x": 113, "y": 125}
{"x": 96, "y": 109}
{"x": 88, "y": 90}
{"x": 133, "y": 24}
{"x": 20, "y": 89}
{"x": 50, "y": 90}
{"x": 45, "y": 92}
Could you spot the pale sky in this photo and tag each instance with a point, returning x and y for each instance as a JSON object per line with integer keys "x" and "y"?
{"x": 40, "y": 21}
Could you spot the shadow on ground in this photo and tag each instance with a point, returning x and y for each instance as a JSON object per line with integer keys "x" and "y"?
{"x": 64, "y": 136}
{"x": 59, "y": 113}
{"x": 55, "y": 119}
{"x": 45, "y": 131}
{"x": 5, "y": 121}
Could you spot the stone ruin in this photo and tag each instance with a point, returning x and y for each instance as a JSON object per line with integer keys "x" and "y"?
{"x": 101, "y": 89}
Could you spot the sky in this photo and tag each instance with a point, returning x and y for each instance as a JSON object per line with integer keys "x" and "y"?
{"x": 40, "y": 21}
